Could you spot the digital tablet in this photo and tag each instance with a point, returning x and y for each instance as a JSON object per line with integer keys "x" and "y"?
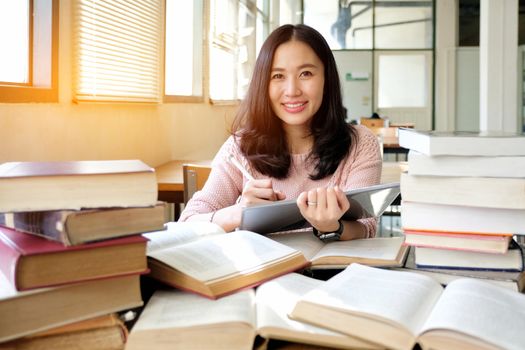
{"x": 284, "y": 215}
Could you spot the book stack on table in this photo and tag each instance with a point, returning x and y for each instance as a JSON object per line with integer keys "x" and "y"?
{"x": 464, "y": 204}
{"x": 72, "y": 250}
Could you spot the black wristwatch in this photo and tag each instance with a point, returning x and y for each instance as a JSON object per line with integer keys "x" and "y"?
{"x": 330, "y": 236}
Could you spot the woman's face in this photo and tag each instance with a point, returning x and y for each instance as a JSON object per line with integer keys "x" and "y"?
{"x": 296, "y": 84}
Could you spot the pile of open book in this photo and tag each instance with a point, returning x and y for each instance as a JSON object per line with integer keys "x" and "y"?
{"x": 238, "y": 291}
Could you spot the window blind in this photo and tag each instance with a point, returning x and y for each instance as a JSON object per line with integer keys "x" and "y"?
{"x": 118, "y": 52}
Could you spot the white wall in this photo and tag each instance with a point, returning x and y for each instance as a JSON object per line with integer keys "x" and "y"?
{"x": 357, "y": 94}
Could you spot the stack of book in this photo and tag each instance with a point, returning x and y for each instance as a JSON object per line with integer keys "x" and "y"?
{"x": 464, "y": 203}
{"x": 72, "y": 250}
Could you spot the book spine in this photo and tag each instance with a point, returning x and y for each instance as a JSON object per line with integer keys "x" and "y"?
{"x": 9, "y": 257}
{"x": 47, "y": 224}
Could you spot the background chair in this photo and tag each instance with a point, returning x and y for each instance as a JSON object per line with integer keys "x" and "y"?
{"x": 195, "y": 176}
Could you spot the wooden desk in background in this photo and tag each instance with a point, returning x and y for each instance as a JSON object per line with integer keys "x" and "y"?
{"x": 170, "y": 179}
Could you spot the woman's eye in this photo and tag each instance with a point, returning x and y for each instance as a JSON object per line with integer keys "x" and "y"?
{"x": 306, "y": 74}
{"x": 277, "y": 76}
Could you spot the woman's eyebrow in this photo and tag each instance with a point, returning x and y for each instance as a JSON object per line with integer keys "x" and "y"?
{"x": 302, "y": 66}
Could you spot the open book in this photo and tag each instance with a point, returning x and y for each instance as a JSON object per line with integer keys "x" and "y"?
{"x": 201, "y": 257}
{"x": 397, "y": 309}
{"x": 380, "y": 251}
{"x": 188, "y": 321}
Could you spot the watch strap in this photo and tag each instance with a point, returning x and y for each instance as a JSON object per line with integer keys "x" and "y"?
{"x": 330, "y": 236}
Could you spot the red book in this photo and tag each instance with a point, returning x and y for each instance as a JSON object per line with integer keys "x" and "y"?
{"x": 31, "y": 262}
{"x": 484, "y": 243}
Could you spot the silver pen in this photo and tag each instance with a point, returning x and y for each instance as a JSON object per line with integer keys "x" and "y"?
{"x": 240, "y": 167}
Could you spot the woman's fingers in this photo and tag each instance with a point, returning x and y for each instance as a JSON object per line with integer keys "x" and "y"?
{"x": 260, "y": 190}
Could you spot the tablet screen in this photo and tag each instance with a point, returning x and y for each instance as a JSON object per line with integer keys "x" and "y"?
{"x": 365, "y": 202}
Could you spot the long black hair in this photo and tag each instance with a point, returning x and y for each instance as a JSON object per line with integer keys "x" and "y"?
{"x": 261, "y": 136}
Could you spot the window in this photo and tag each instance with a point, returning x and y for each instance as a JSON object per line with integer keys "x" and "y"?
{"x": 234, "y": 29}
{"x": 29, "y": 60}
{"x": 183, "y": 51}
{"x": 381, "y": 24}
{"x": 344, "y": 24}
{"x": 118, "y": 48}
{"x": 403, "y": 24}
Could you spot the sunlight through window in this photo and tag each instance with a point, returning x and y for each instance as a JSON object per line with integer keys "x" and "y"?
{"x": 183, "y": 48}
{"x": 14, "y": 36}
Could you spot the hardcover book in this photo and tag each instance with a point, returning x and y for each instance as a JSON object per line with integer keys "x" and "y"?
{"x": 188, "y": 321}
{"x": 417, "y": 216}
{"x": 31, "y": 262}
{"x": 469, "y": 241}
{"x": 35, "y": 186}
{"x": 202, "y": 258}
{"x": 397, "y": 309}
{"x": 511, "y": 280}
{"x": 512, "y": 260}
{"x": 30, "y": 312}
{"x": 463, "y": 143}
{"x": 74, "y": 227}
{"x": 105, "y": 332}
{"x": 488, "y": 192}
{"x": 482, "y": 166}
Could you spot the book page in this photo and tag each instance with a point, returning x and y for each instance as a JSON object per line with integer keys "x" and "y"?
{"x": 381, "y": 248}
{"x": 482, "y": 310}
{"x": 177, "y": 309}
{"x": 276, "y": 299}
{"x": 222, "y": 255}
{"x": 402, "y": 297}
{"x": 178, "y": 233}
{"x": 302, "y": 240}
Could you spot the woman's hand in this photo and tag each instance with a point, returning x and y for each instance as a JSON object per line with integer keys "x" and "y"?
{"x": 255, "y": 192}
{"x": 259, "y": 191}
{"x": 323, "y": 207}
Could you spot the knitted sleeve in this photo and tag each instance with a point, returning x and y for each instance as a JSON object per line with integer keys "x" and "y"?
{"x": 224, "y": 184}
{"x": 362, "y": 168}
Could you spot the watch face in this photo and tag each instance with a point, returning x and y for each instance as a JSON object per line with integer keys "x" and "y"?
{"x": 330, "y": 237}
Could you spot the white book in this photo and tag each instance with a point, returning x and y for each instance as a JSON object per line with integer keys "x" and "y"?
{"x": 485, "y": 166}
{"x": 511, "y": 280}
{"x": 487, "y": 192}
{"x": 178, "y": 320}
{"x": 398, "y": 309}
{"x": 417, "y": 216}
{"x": 463, "y": 143}
{"x": 512, "y": 260}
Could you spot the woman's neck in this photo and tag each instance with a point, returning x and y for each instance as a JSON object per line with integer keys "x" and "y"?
{"x": 300, "y": 140}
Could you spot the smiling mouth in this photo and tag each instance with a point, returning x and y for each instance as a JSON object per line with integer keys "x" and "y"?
{"x": 294, "y": 105}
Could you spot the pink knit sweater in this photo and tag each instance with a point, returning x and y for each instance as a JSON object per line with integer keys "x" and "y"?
{"x": 361, "y": 168}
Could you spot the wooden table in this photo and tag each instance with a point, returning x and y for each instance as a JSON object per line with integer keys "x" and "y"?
{"x": 391, "y": 171}
{"x": 170, "y": 182}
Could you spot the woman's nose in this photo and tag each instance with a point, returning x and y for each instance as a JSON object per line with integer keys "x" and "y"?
{"x": 292, "y": 88}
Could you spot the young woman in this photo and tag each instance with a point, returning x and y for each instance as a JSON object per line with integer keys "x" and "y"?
{"x": 291, "y": 136}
